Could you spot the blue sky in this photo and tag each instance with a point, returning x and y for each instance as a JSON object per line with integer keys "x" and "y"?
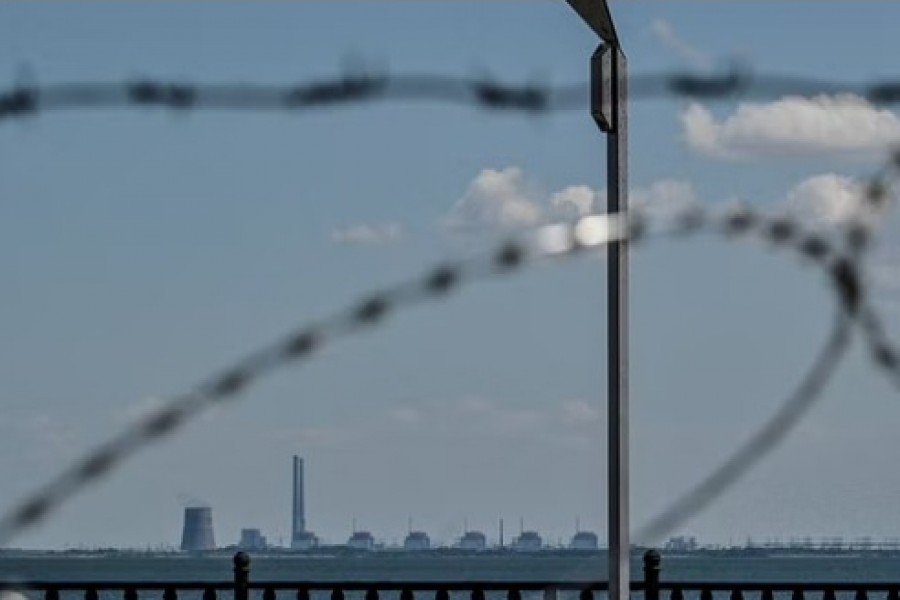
{"x": 141, "y": 249}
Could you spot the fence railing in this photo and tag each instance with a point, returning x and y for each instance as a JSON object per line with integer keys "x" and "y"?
{"x": 241, "y": 587}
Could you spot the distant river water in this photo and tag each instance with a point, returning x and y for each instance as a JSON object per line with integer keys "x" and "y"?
{"x": 382, "y": 567}
{"x": 398, "y": 567}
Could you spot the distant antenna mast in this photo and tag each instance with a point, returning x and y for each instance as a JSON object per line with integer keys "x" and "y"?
{"x": 501, "y": 532}
{"x": 521, "y": 525}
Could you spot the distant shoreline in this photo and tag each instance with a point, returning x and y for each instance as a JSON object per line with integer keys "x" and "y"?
{"x": 338, "y": 552}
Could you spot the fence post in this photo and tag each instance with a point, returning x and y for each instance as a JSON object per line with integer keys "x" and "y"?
{"x": 241, "y": 576}
{"x": 651, "y": 575}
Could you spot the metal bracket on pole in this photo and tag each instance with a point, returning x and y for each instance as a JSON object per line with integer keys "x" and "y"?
{"x": 602, "y": 88}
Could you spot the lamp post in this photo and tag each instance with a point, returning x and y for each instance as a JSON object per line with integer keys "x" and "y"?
{"x": 609, "y": 95}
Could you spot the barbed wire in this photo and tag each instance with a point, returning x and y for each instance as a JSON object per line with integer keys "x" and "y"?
{"x": 841, "y": 259}
{"x": 26, "y": 99}
{"x": 551, "y": 241}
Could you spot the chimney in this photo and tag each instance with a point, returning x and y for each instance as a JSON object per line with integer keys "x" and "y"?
{"x": 298, "y": 522}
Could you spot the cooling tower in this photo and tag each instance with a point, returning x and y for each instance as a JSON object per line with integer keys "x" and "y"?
{"x": 198, "y": 529}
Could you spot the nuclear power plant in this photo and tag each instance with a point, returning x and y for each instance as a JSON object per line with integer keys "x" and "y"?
{"x": 197, "y": 535}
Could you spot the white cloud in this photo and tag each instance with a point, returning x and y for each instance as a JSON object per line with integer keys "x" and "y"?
{"x": 793, "y": 126}
{"x": 501, "y": 198}
{"x": 367, "y": 233}
{"x": 666, "y": 35}
{"x": 575, "y": 201}
{"x": 663, "y": 199}
{"x": 505, "y": 198}
{"x": 829, "y": 199}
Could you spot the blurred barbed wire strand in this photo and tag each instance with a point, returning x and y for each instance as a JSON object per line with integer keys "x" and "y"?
{"x": 738, "y": 82}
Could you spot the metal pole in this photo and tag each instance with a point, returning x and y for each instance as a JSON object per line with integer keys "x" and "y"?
{"x": 617, "y": 340}
{"x": 609, "y": 107}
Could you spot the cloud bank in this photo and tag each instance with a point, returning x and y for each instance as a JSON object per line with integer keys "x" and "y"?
{"x": 501, "y": 198}
{"x": 664, "y": 198}
{"x": 828, "y": 199}
{"x": 507, "y": 199}
{"x": 793, "y": 126}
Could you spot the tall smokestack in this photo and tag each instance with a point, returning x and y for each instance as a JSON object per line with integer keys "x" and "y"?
{"x": 298, "y": 524}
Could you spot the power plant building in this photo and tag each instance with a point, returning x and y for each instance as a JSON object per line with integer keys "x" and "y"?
{"x": 361, "y": 540}
{"x": 473, "y": 540}
{"x": 417, "y": 540}
{"x": 584, "y": 540}
{"x": 305, "y": 540}
{"x": 681, "y": 544}
{"x": 528, "y": 541}
{"x": 252, "y": 539}
{"x": 197, "y": 535}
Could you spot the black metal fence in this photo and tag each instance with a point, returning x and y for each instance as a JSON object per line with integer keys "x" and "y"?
{"x": 651, "y": 587}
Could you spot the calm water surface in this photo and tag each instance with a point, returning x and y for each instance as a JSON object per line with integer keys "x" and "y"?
{"x": 423, "y": 568}
{"x": 404, "y": 567}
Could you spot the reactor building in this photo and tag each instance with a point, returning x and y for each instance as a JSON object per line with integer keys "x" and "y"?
{"x": 301, "y": 538}
{"x": 584, "y": 540}
{"x": 197, "y": 535}
{"x": 252, "y": 539}
{"x": 473, "y": 540}
{"x": 416, "y": 541}
{"x": 528, "y": 541}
